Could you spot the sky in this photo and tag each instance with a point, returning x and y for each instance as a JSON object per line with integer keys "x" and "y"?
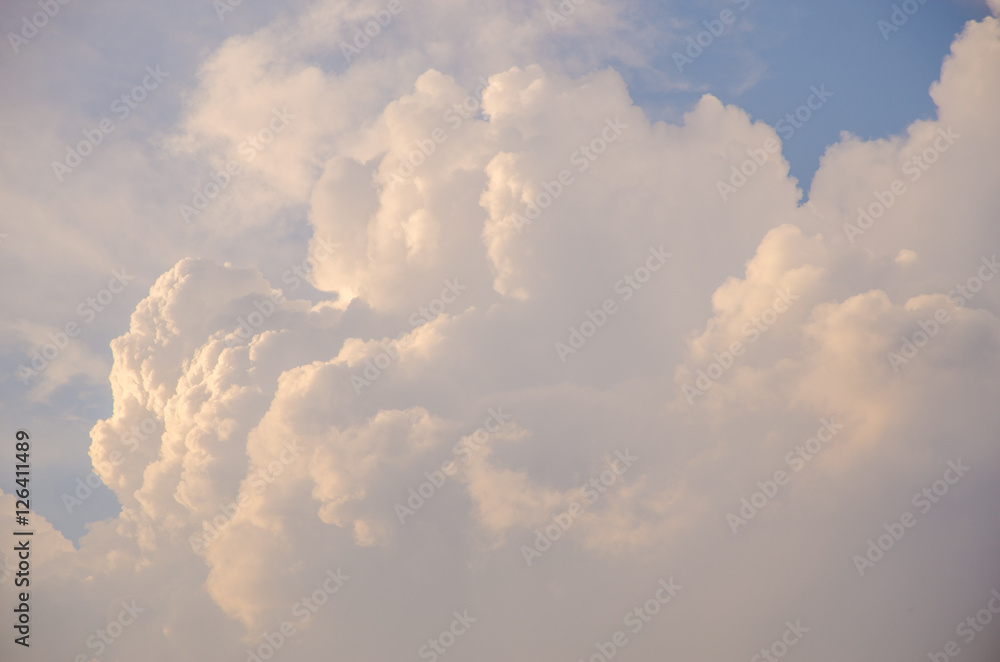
{"x": 620, "y": 328}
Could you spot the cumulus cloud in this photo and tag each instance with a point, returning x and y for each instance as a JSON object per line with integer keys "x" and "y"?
{"x": 261, "y": 440}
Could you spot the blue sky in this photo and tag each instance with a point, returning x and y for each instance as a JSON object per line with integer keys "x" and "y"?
{"x": 880, "y": 86}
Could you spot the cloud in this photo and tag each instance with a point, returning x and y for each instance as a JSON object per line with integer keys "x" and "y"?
{"x": 265, "y": 466}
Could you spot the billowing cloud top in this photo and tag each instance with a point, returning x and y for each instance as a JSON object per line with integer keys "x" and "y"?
{"x": 556, "y": 381}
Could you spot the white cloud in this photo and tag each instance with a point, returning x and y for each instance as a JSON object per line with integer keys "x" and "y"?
{"x": 229, "y": 410}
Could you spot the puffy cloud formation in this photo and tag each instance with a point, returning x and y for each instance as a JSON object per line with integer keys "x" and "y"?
{"x": 549, "y": 369}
